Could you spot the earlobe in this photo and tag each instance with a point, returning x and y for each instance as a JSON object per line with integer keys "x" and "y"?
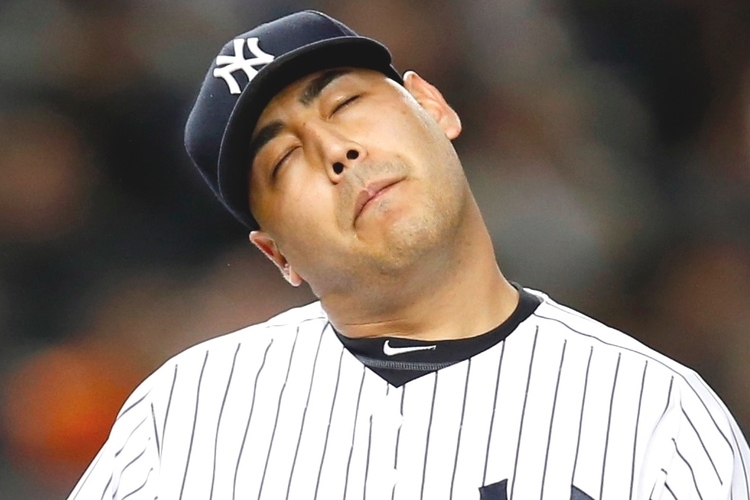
{"x": 291, "y": 275}
{"x": 430, "y": 98}
{"x": 267, "y": 245}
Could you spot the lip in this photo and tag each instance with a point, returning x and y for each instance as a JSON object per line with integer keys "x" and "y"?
{"x": 372, "y": 190}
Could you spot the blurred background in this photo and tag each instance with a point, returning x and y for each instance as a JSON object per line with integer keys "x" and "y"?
{"x": 608, "y": 143}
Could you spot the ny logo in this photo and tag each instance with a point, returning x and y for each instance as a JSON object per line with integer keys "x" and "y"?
{"x": 230, "y": 64}
{"x": 499, "y": 491}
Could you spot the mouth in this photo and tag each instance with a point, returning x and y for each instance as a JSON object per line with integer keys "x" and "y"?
{"x": 372, "y": 192}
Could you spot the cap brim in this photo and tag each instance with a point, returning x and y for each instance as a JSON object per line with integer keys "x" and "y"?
{"x": 359, "y": 52}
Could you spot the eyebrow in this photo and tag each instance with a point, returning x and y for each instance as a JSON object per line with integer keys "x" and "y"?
{"x": 263, "y": 137}
{"x": 311, "y": 92}
{"x": 316, "y": 85}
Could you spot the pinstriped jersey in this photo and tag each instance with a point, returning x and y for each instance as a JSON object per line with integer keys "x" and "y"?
{"x": 562, "y": 408}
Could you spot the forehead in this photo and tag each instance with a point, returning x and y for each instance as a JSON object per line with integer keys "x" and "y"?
{"x": 303, "y": 92}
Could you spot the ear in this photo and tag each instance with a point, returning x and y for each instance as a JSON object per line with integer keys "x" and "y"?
{"x": 270, "y": 249}
{"x": 430, "y": 98}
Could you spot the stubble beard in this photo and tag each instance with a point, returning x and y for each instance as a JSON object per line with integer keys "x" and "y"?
{"x": 418, "y": 239}
{"x": 416, "y": 254}
{"x": 408, "y": 249}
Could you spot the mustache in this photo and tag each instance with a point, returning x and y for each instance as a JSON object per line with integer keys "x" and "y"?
{"x": 359, "y": 176}
{"x": 364, "y": 173}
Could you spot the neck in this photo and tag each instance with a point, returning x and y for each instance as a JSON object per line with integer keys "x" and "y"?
{"x": 459, "y": 294}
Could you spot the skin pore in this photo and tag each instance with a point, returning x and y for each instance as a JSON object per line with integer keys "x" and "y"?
{"x": 359, "y": 192}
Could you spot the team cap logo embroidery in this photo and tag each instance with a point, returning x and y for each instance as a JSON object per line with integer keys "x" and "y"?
{"x": 226, "y": 65}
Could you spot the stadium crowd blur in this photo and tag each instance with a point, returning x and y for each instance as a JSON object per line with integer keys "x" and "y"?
{"x": 608, "y": 143}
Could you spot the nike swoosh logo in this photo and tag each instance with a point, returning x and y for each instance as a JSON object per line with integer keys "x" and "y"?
{"x": 392, "y": 351}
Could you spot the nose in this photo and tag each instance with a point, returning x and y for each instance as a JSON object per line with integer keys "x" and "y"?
{"x": 338, "y": 167}
{"x": 338, "y": 152}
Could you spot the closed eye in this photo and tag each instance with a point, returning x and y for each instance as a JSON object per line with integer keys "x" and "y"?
{"x": 281, "y": 162}
{"x": 344, "y": 103}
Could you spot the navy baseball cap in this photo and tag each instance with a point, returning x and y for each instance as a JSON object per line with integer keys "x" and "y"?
{"x": 248, "y": 72}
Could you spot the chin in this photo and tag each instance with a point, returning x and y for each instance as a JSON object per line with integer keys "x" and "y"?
{"x": 407, "y": 242}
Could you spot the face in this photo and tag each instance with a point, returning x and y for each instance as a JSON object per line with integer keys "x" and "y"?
{"x": 354, "y": 178}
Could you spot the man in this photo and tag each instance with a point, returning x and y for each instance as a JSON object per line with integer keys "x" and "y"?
{"x": 421, "y": 373}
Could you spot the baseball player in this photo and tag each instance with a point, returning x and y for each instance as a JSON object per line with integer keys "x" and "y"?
{"x": 421, "y": 373}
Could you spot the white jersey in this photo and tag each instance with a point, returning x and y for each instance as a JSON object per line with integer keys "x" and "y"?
{"x": 562, "y": 408}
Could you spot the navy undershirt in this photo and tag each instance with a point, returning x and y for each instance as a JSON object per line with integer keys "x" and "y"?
{"x": 399, "y": 368}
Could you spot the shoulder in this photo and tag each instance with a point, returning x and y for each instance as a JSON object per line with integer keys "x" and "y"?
{"x": 615, "y": 349}
{"x": 557, "y": 320}
{"x": 683, "y": 388}
{"x": 283, "y": 326}
{"x": 247, "y": 346}
{"x": 688, "y": 422}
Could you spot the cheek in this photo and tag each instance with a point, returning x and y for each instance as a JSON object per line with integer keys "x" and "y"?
{"x": 280, "y": 208}
{"x": 405, "y": 130}
{"x": 309, "y": 243}
{"x": 303, "y": 211}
